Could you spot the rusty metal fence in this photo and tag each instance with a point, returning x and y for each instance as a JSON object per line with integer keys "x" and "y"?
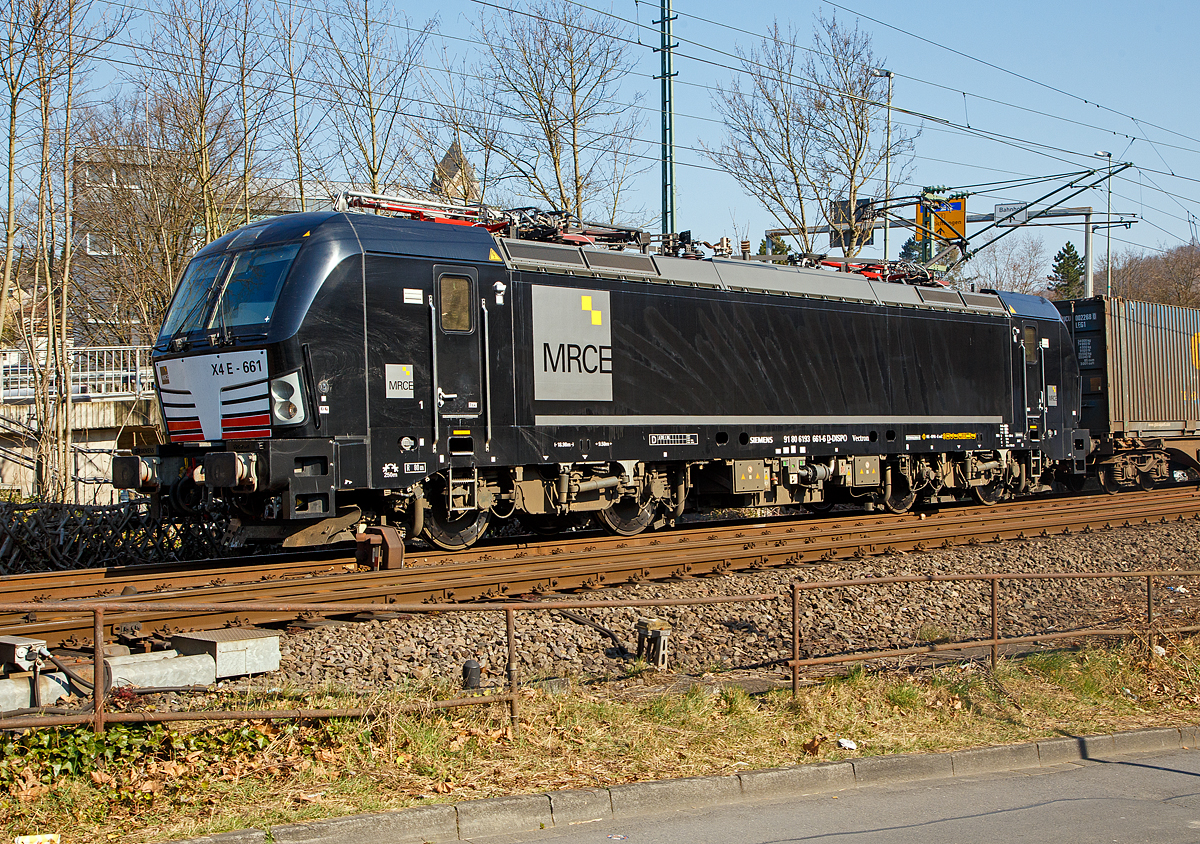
{"x": 98, "y": 717}
{"x": 1147, "y": 629}
{"x": 510, "y": 695}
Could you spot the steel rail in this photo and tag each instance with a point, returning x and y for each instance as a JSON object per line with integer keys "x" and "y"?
{"x": 781, "y": 544}
{"x": 350, "y": 588}
{"x": 101, "y": 582}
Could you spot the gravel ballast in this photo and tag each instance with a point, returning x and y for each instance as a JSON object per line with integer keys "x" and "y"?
{"x": 376, "y": 654}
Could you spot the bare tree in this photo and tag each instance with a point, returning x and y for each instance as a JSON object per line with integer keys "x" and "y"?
{"x": 191, "y": 61}
{"x": 292, "y": 29}
{"x": 564, "y": 131}
{"x": 464, "y": 125}
{"x": 805, "y": 129}
{"x": 22, "y": 26}
{"x": 42, "y": 84}
{"x": 1170, "y": 275}
{"x": 1017, "y": 263}
{"x": 138, "y": 211}
{"x": 255, "y": 92}
{"x": 369, "y": 81}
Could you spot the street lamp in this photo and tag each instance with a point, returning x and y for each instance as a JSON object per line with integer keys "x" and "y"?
{"x": 1108, "y": 227}
{"x": 887, "y": 163}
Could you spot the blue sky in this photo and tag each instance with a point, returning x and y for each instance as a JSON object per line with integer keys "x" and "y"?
{"x": 1131, "y": 66}
{"x": 1134, "y": 63}
{"x": 1134, "y": 69}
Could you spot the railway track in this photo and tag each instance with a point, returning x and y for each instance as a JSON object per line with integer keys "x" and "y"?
{"x": 584, "y": 562}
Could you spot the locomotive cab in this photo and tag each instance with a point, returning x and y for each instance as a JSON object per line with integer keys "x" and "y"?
{"x": 309, "y": 364}
{"x": 1046, "y": 390}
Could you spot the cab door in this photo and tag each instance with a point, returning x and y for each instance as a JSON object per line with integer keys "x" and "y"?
{"x": 1035, "y": 380}
{"x": 458, "y": 346}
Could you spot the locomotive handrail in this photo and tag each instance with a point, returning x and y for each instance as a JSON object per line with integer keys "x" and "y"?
{"x": 433, "y": 368}
{"x": 487, "y": 379}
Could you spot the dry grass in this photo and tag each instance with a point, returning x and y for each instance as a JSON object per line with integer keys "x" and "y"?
{"x": 603, "y": 734}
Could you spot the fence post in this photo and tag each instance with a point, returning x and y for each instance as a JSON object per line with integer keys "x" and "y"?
{"x": 795, "y": 639}
{"x": 995, "y": 620}
{"x": 513, "y": 705}
{"x": 98, "y": 670}
{"x": 1150, "y": 616}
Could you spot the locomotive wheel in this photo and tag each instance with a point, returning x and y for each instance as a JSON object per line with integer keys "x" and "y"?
{"x": 1146, "y": 481}
{"x": 1108, "y": 483}
{"x": 819, "y": 507}
{"x": 457, "y": 532}
{"x": 988, "y": 494}
{"x": 627, "y": 517}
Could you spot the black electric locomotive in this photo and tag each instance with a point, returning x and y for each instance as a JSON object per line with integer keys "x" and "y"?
{"x": 321, "y": 370}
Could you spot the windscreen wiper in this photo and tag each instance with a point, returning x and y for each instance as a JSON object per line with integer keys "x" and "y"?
{"x": 178, "y": 343}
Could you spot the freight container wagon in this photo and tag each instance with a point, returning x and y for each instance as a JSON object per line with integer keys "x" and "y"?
{"x": 1140, "y": 368}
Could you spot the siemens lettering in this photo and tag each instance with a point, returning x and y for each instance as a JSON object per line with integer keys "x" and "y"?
{"x": 572, "y": 342}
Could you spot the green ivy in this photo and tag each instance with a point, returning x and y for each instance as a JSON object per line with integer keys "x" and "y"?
{"x": 76, "y": 751}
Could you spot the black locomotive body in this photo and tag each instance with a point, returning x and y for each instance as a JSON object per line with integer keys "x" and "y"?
{"x": 324, "y": 369}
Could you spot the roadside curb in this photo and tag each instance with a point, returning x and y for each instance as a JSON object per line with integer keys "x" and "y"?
{"x": 529, "y": 812}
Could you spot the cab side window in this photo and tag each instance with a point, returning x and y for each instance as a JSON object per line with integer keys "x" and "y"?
{"x": 1031, "y": 344}
{"x": 455, "y": 298}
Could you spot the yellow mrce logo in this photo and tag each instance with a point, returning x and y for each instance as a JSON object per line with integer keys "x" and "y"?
{"x": 587, "y": 306}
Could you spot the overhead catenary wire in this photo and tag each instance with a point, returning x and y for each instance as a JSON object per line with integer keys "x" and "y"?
{"x": 999, "y": 137}
{"x": 995, "y": 136}
{"x": 968, "y": 56}
{"x": 733, "y": 28}
{"x": 418, "y": 101}
{"x": 947, "y": 125}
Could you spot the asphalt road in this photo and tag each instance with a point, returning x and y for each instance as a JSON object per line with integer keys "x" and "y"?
{"x": 1152, "y": 797}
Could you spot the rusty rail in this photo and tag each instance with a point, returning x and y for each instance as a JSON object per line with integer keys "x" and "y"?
{"x": 583, "y": 562}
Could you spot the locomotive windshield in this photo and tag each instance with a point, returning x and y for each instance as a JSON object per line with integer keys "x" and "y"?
{"x": 224, "y": 291}
{"x": 187, "y": 309}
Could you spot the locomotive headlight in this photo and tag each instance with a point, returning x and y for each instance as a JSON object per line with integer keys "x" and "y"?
{"x": 287, "y": 400}
{"x": 282, "y": 388}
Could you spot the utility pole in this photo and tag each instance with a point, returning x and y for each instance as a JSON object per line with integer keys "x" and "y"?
{"x": 666, "y": 51}
{"x": 1108, "y": 225}
{"x": 887, "y": 162}
{"x": 1089, "y": 257}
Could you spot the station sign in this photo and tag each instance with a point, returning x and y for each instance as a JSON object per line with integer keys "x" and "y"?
{"x": 1012, "y": 215}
